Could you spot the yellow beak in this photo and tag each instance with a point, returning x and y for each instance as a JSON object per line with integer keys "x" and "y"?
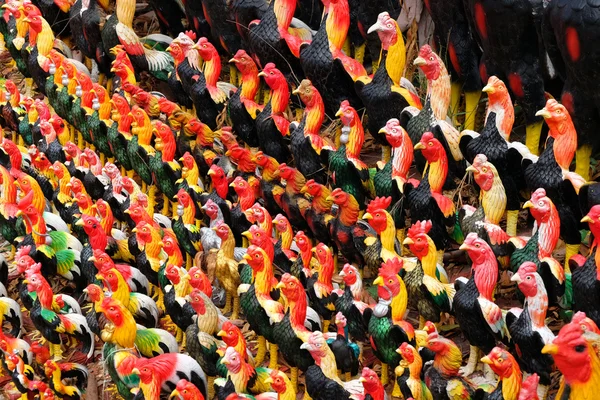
{"x": 134, "y": 230}
{"x": 280, "y": 285}
{"x": 174, "y": 394}
{"x": 488, "y": 89}
{"x": 528, "y": 204}
{"x": 247, "y": 257}
{"x": 221, "y": 333}
{"x": 367, "y": 216}
{"x": 464, "y": 246}
{"x": 516, "y": 278}
{"x": 25, "y": 281}
{"x": 296, "y": 91}
{"x": 247, "y": 234}
{"x": 269, "y": 380}
{"x": 210, "y": 172}
{"x": 408, "y": 241}
{"x": 79, "y": 222}
{"x": 419, "y": 146}
{"x": 378, "y": 281}
{"x": 19, "y": 213}
{"x": 419, "y": 61}
{"x": 471, "y": 168}
{"x": 329, "y": 198}
{"x": 543, "y": 113}
{"x": 550, "y": 348}
{"x": 234, "y": 60}
{"x": 339, "y": 112}
{"x": 487, "y": 360}
{"x": 587, "y": 219}
{"x": 92, "y": 259}
{"x": 261, "y": 73}
{"x": 135, "y": 371}
{"x": 383, "y": 130}
{"x": 361, "y": 379}
{"x": 26, "y": 19}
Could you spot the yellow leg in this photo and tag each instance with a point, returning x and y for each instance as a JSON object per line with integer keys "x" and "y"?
{"x": 359, "y": 53}
{"x": 227, "y": 307}
{"x": 80, "y": 141}
{"x": 440, "y": 257}
{"x": 400, "y": 234}
{"x": 512, "y": 218}
{"x": 14, "y": 137}
{"x": 384, "y": 374}
{"x": 346, "y": 47}
{"x": 299, "y": 113}
{"x": 326, "y": 324}
{"x": 245, "y": 242}
{"x": 189, "y": 261}
{"x": 348, "y": 376}
{"x": 236, "y": 307}
{"x": 471, "y": 102}
{"x": 144, "y": 187}
{"x": 294, "y": 378}
{"x": 396, "y": 392}
{"x": 273, "y": 349}
{"x": 306, "y": 396}
{"x": 421, "y": 322}
{"x": 335, "y": 263}
{"x": 582, "y": 161}
{"x": 123, "y": 172}
{"x": 109, "y": 86}
{"x": 130, "y": 174}
{"x": 386, "y": 153}
{"x": 55, "y": 351}
{"x": 266, "y": 96}
{"x": 532, "y": 137}
{"x": 102, "y": 158}
{"x": 211, "y": 387}
{"x": 261, "y": 351}
{"x": 570, "y": 251}
{"x": 375, "y": 66}
{"x": 165, "y": 209}
{"x": 20, "y": 141}
{"x": 72, "y": 131}
{"x": 233, "y": 75}
{"x": 455, "y": 92}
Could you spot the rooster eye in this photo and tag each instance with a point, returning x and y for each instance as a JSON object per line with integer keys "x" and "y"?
{"x": 558, "y": 111}
{"x": 419, "y": 239}
{"x": 112, "y": 309}
{"x": 540, "y": 203}
{"x": 580, "y": 348}
{"x": 528, "y": 278}
{"x": 500, "y": 360}
{"x": 430, "y": 144}
{"x": 390, "y": 281}
{"x": 431, "y": 58}
{"x": 484, "y": 169}
{"x": 477, "y": 245}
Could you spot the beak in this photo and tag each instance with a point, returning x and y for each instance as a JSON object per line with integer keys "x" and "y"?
{"x": 269, "y": 380}
{"x": 408, "y": 241}
{"x": 210, "y": 171}
{"x": 378, "y": 281}
{"x": 247, "y": 234}
{"x": 224, "y": 361}
{"x": 135, "y": 371}
{"x": 361, "y": 379}
{"x": 419, "y": 146}
{"x": 221, "y": 333}
{"x": 516, "y": 278}
{"x": 174, "y": 394}
{"x": 305, "y": 346}
{"x": 127, "y": 211}
{"x": 339, "y": 112}
{"x": 79, "y": 222}
{"x": 543, "y": 113}
{"x": 488, "y": 89}
{"x": 375, "y": 27}
{"x": 342, "y": 274}
{"x": 98, "y": 276}
{"x": 304, "y": 190}
{"x": 134, "y": 230}
{"x": 587, "y": 219}
{"x": 234, "y": 60}
{"x": 19, "y": 213}
{"x": 247, "y": 257}
{"x": 383, "y": 130}
{"x": 25, "y": 281}
{"x": 528, "y": 204}
{"x": 550, "y": 348}
{"x": 92, "y": 259}
{"x": 261, "y": 73}
{"x": 329, "y": 198}
{"x": 367, "y": 216}
{"x": 26, "y": 19}
{"x": 419, "y": 61}
{"x": 280, "y": 285}
{"x": 464, "y": 246}
{"x": 85, "y": 291}
{"x": 296, "y": 91}
{"x": 471, "y": 168}
{"x": 486, "y": 360}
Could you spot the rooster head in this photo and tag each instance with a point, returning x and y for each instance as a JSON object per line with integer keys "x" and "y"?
{"x": 429, "y": 62}
{"x": 540, "y": 205}
{"x": 230, "y": 334}
{"x": 502, "y": 363}
{"x": 312, "y": 188}
{"x": 526, "y": 277}
{"x": 497, "y": 92}
{"x": 183, "y": 197}
{"x": 205, "y": 48}
{"x": 323, "y": 253}
{"x": 407, "y": 352}
{"x": 347, "y": 114}
{"x": 278, "y": 380}
{"x": 316, "y": 345}
{"x": 394, "y": 133}
{"x": 211, "y": 209}
{"x": 101, "y": 259}
{"x": 186, "y": 390}
{"x": 197, "y": 301}
{"x": 244, "y": 62}
{"x": 484, "y": 172}
{"x": 302, "y": 241}
{"x": 593, "y": 219}
{"x": 222, "y": 230}
{"x": 417, "y": 239}
{"x": 272, "y": 76}
{"x": 217, "y": 174}
{"x": 431, "y": 148}
{"x": 388, "y": 280}
{"x": 34, "y": 281}
{"x": 172, "y": 273}
{"x": 256, "y": 235}
{"x": 232, "y": 360}
{"x": 586, "y": 324}
{"x": 386, "y": 28}
{"x": 376, "y": 213}
{"x": 240, "y": 186}
{"x": 370, "y": 381}
{"x": 529, "y": 388}
{"x": 339, "y": 197}
{"x": 257, "y": 258}
{"x": 199, "y": 280}
{"x": 281, "y": 223}
{"x": 350, "y": 274}
{"x": 143, "y": 232}
{"x": 291, "y": 287}
{"x": 94, "y": 292}
{"x": 556, "y": 116}
{"x": 477, "y": 248}
{"x": 308, "y": 93}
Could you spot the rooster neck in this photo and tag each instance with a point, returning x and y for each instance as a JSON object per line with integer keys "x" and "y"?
{"x": 212, "y": 71}
{"x": 402, "y": 158}
{"x": 337, "y": 24}
{"x": 125, "y": 12}
{"x": 549, "y": 232}
{"x": 284, "y": 12}
{"x": 511, "y": 385}
{"x": 396, "y": 59}
{"x": 250, "y": 84}
{"x": 439, "y": 91}
{"x": 493, "y": 201}
{"x": 287, "y": 237}
{"x": 486, "y": 277}
{"x": 388, "y": 235}
{"x": 429, "y": 261}
{"x": 298, "y": 312}
{"x": 314, "y": 117}
{"x": 279, "y": 98}
{"x": 537, "y": 305}
{"x": 565, "y": 144}
{"x": 438, "y": 171}
{"x": 399, "y": 303}
{"x": 505, "y": 118}
{"x": 189, "y": 212}
{"x": 449, "y": 360}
